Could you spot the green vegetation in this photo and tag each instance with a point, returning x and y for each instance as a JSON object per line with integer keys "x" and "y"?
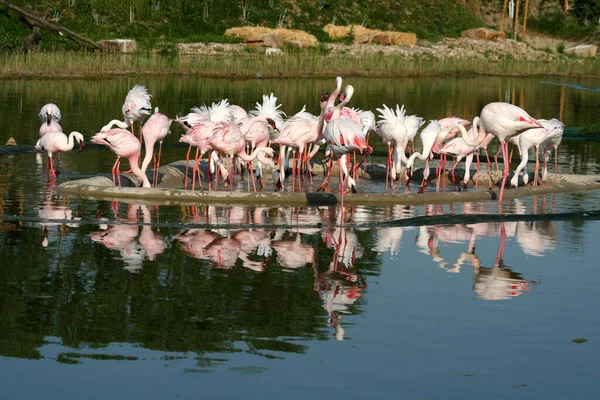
{"x": 591, "y": 130}
{"x": 579, "y": 24}
{"x": 154, "y": 23}
{"x": 312, "y": 62}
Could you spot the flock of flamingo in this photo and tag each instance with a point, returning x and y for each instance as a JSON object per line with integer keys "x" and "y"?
{"x": 229, "y": 130}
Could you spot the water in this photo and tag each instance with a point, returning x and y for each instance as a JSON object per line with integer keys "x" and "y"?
{"x": 102, "y": 299}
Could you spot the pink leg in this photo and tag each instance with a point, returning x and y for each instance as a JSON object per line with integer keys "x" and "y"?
{"x": 489, "y": 170}
{"x": 537, "y": 165}
{"x": 326, "y": 181}
{"x": 157, "y": 164}
{"x": 119, "y": 171}
{"x": 500, "y": 254}
{"x": 195, "y": 170}
{"x": 477, "y": 173}
{"x": 556, "y": 164}
{"x": 114, "y": 171}
{"x": 187, "y": 160}
{"x": 504, "y": 146}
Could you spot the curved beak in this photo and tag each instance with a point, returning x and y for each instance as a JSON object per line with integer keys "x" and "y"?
{"x": 48, "y": 118}
{"x": 81, "y": 146}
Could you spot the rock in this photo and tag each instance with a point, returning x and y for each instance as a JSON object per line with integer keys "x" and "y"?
{"x": 119, "y": 45}
{"x": 264, "y": 40}
{"x": 272, "y": 40}
{"x": 483, "y": 34}
{"x": 11, "y": 142}
{"x": 587, "y": 50}
{"x": 272, "y": 51}
{"x": 381, "y": 39}
{"x": 361, "y": 39}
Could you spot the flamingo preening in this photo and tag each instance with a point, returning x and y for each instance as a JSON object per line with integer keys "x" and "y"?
{"x": 136, "y": 106}
{"x": 125, "y": 145}
{"x": 154, "y": 130}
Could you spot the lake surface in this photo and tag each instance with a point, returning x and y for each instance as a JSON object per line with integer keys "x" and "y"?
{"x": 110, "y": 300}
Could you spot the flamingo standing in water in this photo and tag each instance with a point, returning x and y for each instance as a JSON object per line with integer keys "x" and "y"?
{"x": 502, "y": 120}
{"x": 124, "y": 144}
{"x": 55, "y": 142}
{"x": 50, "y": 118}
{"x": 154, "y": 130}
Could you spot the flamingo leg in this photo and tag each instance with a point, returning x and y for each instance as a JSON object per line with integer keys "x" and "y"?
{"x": 489, "y": 170}
{"x": 504, "y": 146}
{"x": 119, "y": 171}
{"x": 157, "y": 163}
{"x": 556, "y": 164}
{"x": 326, "y": 180}
{"x": 195, "y": 170}
{"x": 114, "y": 171}
{"x": 187, "y": 160}
{"x": 477, "y": 173}
{"x": 537, "y": 165}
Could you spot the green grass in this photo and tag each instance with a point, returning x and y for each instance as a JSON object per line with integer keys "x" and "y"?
{"x": 156, "y": 22}
{"x": 312, "y": 62}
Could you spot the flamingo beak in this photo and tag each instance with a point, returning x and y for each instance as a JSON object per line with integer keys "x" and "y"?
{"x": 81, "y": 146}
{"x": 48, "y": 118}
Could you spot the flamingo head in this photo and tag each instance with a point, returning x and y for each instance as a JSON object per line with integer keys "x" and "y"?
{"x": 529, "y": 122}
{"x": 272, "y": 124}
{"x": 324, "y": 98}
{"x": 80, "y": 140}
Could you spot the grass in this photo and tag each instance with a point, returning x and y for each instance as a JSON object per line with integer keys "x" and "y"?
{"x": 153, "y": 22}
{"x": 315, "y": 62}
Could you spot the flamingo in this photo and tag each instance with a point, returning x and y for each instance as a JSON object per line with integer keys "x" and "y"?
{"x": 502, "y": 120}
{"x": 55, "y": 142}
{"x": 123, "y": 144}
{"x": 527, "y": 139}
{"x": 344, "y": 136}
{"x": 433, "y": 135}
{"x": 228, "y": 139}
{"x": 136, "y": 106}
{"x": 153, "y": 241}
{"x": 552, "y": 142}
{"x": 154, "y": 130}
{"x": 299, "y": 131}
{"x": 199, "y": 125}
{"x": 50, "y": 112}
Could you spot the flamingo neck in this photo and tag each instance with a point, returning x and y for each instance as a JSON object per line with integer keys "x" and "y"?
{"x": 248, "y": 158}
{"x": 149, "y": 145}
{"x": 472, "y": 142}
{"x": 133, "y": 163}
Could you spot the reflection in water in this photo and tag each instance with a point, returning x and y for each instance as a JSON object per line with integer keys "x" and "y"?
{"x": 212, "y": 279}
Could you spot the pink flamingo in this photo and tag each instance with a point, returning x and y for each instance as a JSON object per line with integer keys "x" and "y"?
{"x": 50, "y": 118}
{"x": 534, "y": 137}
{"x": 204, "y": 118}
{"x": 299, "y": 131}
{"x": 55, "y": 142}
{"x": 552, "y": 142}
{"x": 228, "y": 138}
{"x": 136, "y": 106}
{"x": 198, "y": 137}
{"x": 502, "y": 120}
{"x": 344, "y": 136}
{"x": 123, "y": 144}
{"x": 433, "y": 135}
{"x": 154, "y": 130}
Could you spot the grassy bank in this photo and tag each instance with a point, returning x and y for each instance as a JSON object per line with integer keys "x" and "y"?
{"x": 299, "y": 63}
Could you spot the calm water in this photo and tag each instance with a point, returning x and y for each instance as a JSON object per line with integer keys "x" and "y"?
{"x": 102, "y": 299}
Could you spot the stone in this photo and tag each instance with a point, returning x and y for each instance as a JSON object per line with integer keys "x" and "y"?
{"x": 381, "y": 39}
{"x": 272, "y": 51}
{"x": 362, "y": 39}
{"x": 585, "y": 50}
{"x": 272, "y": 40}
{"x": 119, "y": 45}
{"x": 483, "y": 34}
{"x": 11, "y": 142}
